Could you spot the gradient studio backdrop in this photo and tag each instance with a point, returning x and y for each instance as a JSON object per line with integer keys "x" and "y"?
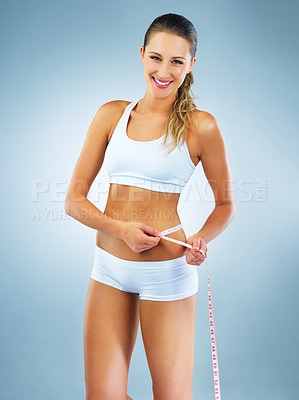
{"x": 60, "y": 61}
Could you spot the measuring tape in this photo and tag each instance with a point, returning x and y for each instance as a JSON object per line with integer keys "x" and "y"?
{"x": 211, "y": 314}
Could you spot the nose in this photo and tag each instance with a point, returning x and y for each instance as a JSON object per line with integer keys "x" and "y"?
{"x": 163, "y": 72}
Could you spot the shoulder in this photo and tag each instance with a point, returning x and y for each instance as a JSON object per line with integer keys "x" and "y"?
{"x": 112, "y": 107}
{"x": 202, "y": 122}
{"x": 204, "y": 130}
{"x": 110, "y": 113}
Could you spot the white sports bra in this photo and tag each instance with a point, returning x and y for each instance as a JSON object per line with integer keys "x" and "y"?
{"x": 146, "y": 164}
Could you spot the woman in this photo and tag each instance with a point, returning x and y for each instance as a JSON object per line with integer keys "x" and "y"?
{"x": 151, "y": 147}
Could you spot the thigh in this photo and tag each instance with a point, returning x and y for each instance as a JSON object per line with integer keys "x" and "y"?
{"x": 111, "y": 321}
{"x": 168, "y": 330}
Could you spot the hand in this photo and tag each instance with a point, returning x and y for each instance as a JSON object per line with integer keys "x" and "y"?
{"x": 139, "y": 236}
{"x": 194, "y": 256}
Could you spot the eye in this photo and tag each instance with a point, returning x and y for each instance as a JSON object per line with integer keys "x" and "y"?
{"x": 153, "y": 57}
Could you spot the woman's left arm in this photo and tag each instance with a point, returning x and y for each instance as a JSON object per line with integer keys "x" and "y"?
{"x": 214, "y": 158}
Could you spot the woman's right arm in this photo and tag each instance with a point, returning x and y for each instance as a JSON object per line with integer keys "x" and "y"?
{"x": 138, "y": 236}
{"x": 86, "y": 169}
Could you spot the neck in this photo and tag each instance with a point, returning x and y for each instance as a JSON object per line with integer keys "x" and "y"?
{"x": 150, "y": 105}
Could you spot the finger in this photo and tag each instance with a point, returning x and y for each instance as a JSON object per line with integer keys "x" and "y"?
{"x": 202, "y": 253}
{"x": 196, "y": 243}
{"x": 194, "y": 262}
{"x": 190, "y": 257}
{"x": 199, "y": 248}
{"x": 194, "y": 252}
{"x": 202, "y": 249}
{"x": 148, "y": 246}
{"x": 150, "y": 231}
{"x": 188, "y": 260}
{"x": 195, "y": 257}
{"x": 199, "y": 244}
{"x": 198, "y": 261}
{"x": 150, "y": 240}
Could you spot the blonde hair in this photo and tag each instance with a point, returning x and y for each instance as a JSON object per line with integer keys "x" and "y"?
{"x": 179, "y": 116}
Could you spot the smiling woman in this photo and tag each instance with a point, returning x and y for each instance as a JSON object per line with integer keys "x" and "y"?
{"x": 168, "y": 56}
{"x": 151, "y": 147}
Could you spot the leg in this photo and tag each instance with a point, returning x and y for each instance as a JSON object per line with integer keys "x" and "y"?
{"x": 168, "y": 330}
{"x": 110, "y": 328}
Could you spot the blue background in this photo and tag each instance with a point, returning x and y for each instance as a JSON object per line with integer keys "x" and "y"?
{"x": 60, "y": 61}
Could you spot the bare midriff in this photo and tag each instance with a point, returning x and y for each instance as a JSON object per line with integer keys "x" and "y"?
{"x": 155, "y": 209}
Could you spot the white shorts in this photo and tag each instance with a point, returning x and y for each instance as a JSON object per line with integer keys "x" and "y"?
{"x": 153, "y": 280}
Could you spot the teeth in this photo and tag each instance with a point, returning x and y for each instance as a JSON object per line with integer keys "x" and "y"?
{"x": 162, "y": 83}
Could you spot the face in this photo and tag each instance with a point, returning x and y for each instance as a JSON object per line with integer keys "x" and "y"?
{"x": 166, "y": 59}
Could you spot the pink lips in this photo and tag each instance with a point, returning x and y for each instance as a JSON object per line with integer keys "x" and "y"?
{"x": 161, "y": 86}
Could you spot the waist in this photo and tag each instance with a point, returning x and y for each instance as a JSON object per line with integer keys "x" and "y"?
{"x": 128, "y": 203}
{"x": 164, "y": 250}
{"x": 160, "y": 218}
{"x": 155, "y": 209}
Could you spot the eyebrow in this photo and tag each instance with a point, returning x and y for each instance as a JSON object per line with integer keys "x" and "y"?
{"x": 161, "y": 56}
